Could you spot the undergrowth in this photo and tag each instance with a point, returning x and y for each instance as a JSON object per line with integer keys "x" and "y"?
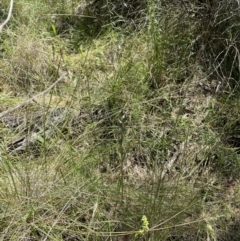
{"x": 148, "y": 145}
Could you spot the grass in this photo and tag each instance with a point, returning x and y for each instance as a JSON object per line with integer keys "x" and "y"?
{"x": 143, "y": 153}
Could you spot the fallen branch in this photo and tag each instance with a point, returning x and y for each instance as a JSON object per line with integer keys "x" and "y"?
{"x": 26, "y": 102}
{"x": 45, "y": 127}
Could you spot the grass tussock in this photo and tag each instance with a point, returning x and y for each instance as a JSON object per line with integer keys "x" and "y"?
{"x": 138, "y": 142}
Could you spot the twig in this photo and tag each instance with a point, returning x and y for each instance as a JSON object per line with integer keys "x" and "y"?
{"x": 26, "y": 102}
{"x": 8, "y": 17}
{"x": 168, "y": 166}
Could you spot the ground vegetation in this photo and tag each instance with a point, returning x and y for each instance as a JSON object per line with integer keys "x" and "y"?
{"x": 119, "y": 120}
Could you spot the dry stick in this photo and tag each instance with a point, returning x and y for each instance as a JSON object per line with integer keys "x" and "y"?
{"x": 169, "y": 165}
{"x": 26, "y": 102}
{"x": 8, "y": 17}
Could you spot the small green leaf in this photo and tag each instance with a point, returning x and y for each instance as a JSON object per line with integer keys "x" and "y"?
{"x": 54, "y": 29}
{"x": 211, "y": 232}
{"x": 41, "y": 139}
